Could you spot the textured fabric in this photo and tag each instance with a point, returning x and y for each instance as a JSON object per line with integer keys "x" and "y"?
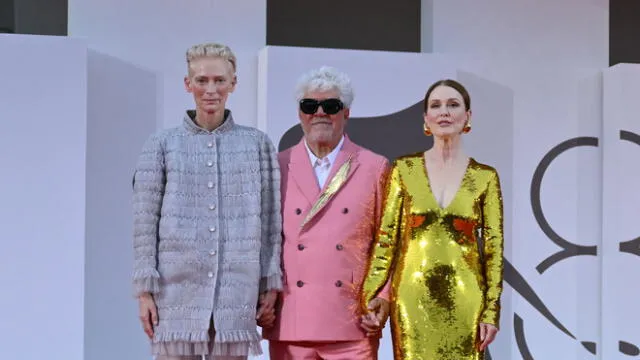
{"x": 207, "y": 233}
{"x": 325, "y": 260}
{"x": 445, "y": 279}
{"x": 365, "y": 349}
{"x": 322, "y": 167}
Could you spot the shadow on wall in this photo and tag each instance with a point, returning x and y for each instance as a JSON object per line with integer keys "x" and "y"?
{"x": 390, "y": 135}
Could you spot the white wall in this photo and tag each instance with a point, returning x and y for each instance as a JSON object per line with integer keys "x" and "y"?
{"x": 550, "y": 32}
{"x": 620, "y": 212}
{"x": 155, "y": 34}
{"x": 282, "y": 67}
{"x": 43, "y": 109}
{"x": 121, "y": 115}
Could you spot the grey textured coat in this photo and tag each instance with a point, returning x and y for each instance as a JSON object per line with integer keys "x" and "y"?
{"x": 207, "y": 231}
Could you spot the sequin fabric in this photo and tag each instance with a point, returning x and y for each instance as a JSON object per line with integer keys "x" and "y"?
{"x": 446, "y": 263}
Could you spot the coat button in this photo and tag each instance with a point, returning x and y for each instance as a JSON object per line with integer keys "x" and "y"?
{"x": 300, "y": 283}
{"x": 345, "y": 210}
{"x": 298, "y": 211}
{"x": 300, "y": 247}
{"x": 339, "y": 247}
{"x": 338, "y": 283}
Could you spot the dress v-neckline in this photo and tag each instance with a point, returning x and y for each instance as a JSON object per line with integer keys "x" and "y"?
{"x": 430, "y": 189}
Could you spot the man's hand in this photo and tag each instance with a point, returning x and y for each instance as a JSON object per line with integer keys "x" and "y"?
{"x": 148, "y": 313}
{"x": 266, "y": 314}
{"x": 373, "y": 322}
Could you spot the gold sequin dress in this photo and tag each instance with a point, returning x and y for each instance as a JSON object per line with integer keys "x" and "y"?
{"x": 446, "y": 263}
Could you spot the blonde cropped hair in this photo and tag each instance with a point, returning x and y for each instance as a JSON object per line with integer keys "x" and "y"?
{"x": 211, "y": 50}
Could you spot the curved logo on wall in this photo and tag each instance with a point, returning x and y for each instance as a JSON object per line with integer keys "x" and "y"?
{"x": 400, "y": 133}
{"x": 569, "y": 249}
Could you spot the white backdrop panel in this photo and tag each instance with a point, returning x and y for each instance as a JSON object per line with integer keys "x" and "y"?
{"x": 548, "y": 197}
{"x": 43, "y": 109}
{"x": 122, "y": 108}
{"x": 621, "y": 210}
{"x": 383, "y": 82}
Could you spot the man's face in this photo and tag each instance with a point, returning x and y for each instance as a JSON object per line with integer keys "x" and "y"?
{"x": 325, "y": 126}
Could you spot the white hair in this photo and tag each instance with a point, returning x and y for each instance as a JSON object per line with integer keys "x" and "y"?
{"x": 326, "y": 78}
{"x": 211, "y": 50}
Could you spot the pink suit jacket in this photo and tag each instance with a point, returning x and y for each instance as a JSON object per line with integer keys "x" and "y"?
{"x": 325, "y": 260}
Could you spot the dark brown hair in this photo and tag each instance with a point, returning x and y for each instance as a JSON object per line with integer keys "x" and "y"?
{"x": 452, "y": 84}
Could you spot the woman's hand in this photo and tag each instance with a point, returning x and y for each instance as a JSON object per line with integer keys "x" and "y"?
{"x": 373, "y": 322}
{"x": 266, "y": 314}
{"x": 148, "y": 313}
{"x": 487, "y": 334}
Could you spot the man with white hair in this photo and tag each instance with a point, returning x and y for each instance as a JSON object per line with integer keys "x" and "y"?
{"x": 331, "y": 194}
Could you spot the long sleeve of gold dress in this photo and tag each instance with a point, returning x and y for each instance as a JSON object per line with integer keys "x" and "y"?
{"x": 445, "y": 264}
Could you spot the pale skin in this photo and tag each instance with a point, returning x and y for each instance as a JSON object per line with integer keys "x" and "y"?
{"x": 210, "y": 80}
{"x": 323, "y": 131}
{"x": 446, "y": 164}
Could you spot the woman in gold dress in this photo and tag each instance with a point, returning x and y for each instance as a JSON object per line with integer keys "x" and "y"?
{"x": 440, "y": 243}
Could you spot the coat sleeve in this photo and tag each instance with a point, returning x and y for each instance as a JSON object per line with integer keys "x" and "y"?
{"x": 387, "y": 240}
{"x": 148, "y": 192}
{"x": 493, "y": 239}
{"x": 271, "y": 218}
{"x": 382, "y": 179}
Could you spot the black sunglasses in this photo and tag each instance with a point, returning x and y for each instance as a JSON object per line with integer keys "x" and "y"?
{"x": 329, "y": 106}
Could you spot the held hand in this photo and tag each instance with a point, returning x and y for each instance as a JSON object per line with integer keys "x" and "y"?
{"x": 487, "y": 334}
{"x": 373, "y": 322}
{"x": 266, "y": 318}
{"x": 148, "y": 313}
{"x": 266, "y": 314}
{"x": 268, "y": 299}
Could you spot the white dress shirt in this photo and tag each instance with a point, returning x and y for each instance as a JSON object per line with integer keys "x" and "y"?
{"x": 322, "y": 167}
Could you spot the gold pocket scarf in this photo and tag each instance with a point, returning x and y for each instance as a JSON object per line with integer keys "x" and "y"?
{"x": 334, "y": 185}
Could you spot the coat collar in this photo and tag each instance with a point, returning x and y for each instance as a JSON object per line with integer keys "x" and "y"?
{"x": 191, "y": 126}
{"x": 301, "y": 169}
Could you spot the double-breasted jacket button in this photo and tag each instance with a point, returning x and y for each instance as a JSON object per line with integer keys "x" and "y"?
{"x": 339, "y": 247}
{"x": 338, "y": 283}
{"x": 345, "y": 210}
{"x": 298, "y": 211}
{"x": 300, "y": 247}
{"x": 300, "y": 283}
